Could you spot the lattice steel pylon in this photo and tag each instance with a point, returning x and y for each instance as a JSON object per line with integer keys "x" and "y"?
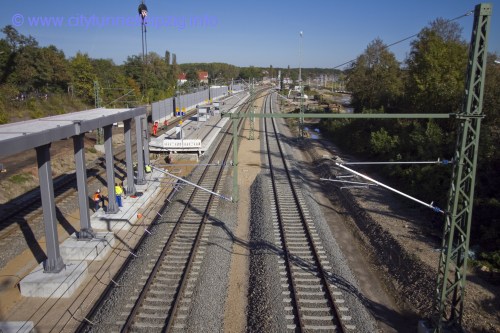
{"x": 450, "y": 290}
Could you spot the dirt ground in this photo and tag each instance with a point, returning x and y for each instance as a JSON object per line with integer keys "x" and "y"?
{"x": 249, "y": 167}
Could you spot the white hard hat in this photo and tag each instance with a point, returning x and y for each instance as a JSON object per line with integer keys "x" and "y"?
{"x": 98, "y": 191}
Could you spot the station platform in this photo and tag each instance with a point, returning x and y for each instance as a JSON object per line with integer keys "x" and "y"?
{"x": 197, "y": 136}
{"x": 76, "y": 253}
{"x": 83, "y": 259}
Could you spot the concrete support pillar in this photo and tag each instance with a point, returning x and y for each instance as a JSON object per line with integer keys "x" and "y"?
{"x": 140, "y": 180}
{"x": 145, "y": 129}
{"x": 54, "y": 262}
{"x": 86, "y": 231}
{"x": 110, "y": 170}
{"x": 128, "y": 157}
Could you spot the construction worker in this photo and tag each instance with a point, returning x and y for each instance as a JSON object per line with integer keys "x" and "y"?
{"x": 148, "y": 168}
{"x": 97, "y": 199}
{"x": 155, "y": 128}
{"x": 119, "y": 192}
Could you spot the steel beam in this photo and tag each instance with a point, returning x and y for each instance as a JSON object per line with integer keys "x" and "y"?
{"x": 451, "y": 280}
{"x": 140, "y": 180}
{"x": 346, "y": 115}
{"x": 38, "y": 132}
{"x": 128, "y": 157}
{"x": 110, "y": 170}
{"x": 54, "y": 262}
{"x": 86, "y": 231}
{"x": 145, "y": 139}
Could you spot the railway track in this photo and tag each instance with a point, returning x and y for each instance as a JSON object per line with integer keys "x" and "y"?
{"x": 158, "y": 304}
{"x": 161, "y": 301}
{"x": 311, "y": 300}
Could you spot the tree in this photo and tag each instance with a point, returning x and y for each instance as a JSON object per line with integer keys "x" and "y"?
{"x": 56, "y": 70}
{"x": 83, "y": 77}
{"x": 375, "y": 78}
{"x": 436, "y": 68}
{"x": 5, "y": 54}
{"x": 192, "y": 76}
{"x": 113, "y": 83}
{"x": 17, "y": 40}
{"x": 250, "y": 72}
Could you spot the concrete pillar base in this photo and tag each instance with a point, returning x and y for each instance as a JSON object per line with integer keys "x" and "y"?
{"x": 54, "y": 285}
{"x": 128, "y": 215}
{"x": 93, "y": 249}
{"x": 99, "y": 148}
{"x": 85, "y": 235}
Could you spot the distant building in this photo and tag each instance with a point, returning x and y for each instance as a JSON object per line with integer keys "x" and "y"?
{"x": 287, "y": 80}
{"x": 203, "y": 77}
{"x": 181, "y": 79}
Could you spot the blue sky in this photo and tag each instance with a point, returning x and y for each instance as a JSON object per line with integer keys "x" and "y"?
{"x": 243, "y": 33}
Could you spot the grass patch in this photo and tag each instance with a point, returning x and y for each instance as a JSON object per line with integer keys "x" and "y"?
{"x": 21, "y": 178}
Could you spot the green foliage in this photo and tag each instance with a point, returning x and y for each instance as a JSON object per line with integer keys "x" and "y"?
{"x": 34, "y": 109}
{"x": 4, "y": 119}
{"x": 83, "y": 77}
{"x": 251, "y": 72}
{"x": 375, "y": 78}
{"x": 15, "y": 40}
{"x": 433, "y": 82}
{"x": 91, "y": 150}
{"x": 223, "y": 72}
{"x": 21, "y": 178}
{"x": 492, "y": 257}
{"x": 383, "y": 143}
{"x": 436, "y": 69}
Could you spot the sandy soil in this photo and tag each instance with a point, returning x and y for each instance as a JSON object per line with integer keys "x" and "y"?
{"x": 249, "y": 167}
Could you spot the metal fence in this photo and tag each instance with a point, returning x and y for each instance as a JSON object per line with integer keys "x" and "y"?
{"x": 238, "y": 87}
{"x": 165, "y": 109}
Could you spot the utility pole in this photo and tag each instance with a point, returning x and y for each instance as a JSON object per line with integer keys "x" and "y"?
{"x": 252, "y": 112}
{"x": 301, "y": 88}
{"x": 451, "y": 281}
{"x": 143, "y": 13}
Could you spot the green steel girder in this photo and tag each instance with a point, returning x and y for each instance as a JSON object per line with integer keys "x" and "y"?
{"x": 347, "y": 115}
{"x": 451, "y": 280}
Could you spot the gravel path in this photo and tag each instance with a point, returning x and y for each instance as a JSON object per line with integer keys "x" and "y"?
{"x": 207, "y": 312}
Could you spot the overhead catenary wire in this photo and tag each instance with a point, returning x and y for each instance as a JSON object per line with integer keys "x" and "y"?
{"x": 347, "y": 182}
{"x": 192, "y": 184}
{"x": 431, "y": 206}
{"x": 468, "y": 13}
{"x": 443, "y": 162}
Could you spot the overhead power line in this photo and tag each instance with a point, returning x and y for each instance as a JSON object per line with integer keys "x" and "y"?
{"x": 470, "y": 12}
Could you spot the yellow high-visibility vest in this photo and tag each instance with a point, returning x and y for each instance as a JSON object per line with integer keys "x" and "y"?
{"x": 118, "y": 190}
